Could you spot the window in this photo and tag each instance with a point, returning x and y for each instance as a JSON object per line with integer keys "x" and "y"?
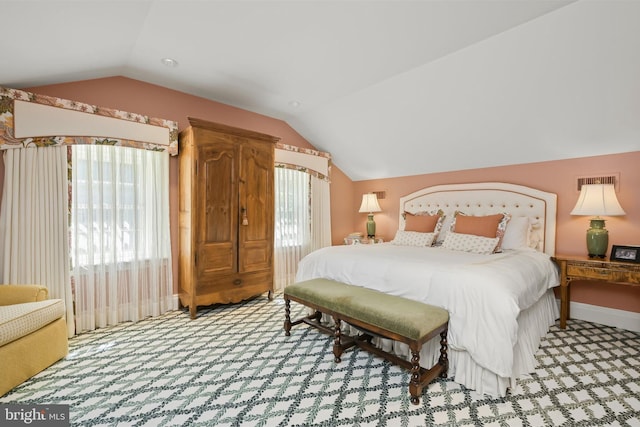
{"x": 120, "y": 239}
{"x": 104, "y": 206}
{"x": 292, "y": 208}
{"x": 302, "y": 218}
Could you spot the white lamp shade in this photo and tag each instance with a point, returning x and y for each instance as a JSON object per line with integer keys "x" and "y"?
{"x": 598, "y": 199}
{"x": 369, "y": 203}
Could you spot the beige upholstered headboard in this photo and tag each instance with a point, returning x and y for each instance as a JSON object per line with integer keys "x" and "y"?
{"x": 485, "y": 198}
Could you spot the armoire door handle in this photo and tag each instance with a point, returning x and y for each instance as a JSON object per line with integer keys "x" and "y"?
{"x": 245, "y": 220}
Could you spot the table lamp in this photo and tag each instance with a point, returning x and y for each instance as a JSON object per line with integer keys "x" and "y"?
{"x": 596, "y": 200}
{"x": 370, "y": 205}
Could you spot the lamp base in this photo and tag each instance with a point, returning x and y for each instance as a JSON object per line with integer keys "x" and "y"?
{"x": 371, "y": 227}
{"x": 597, "y": 239}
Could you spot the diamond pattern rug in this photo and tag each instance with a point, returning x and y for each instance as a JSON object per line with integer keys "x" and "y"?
{"x": 233, "y": 366}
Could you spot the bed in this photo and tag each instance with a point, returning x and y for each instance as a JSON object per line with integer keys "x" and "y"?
{"x": 500, "y": 304}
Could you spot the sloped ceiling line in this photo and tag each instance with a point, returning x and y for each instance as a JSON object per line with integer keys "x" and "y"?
{"x": 390, "y": 88}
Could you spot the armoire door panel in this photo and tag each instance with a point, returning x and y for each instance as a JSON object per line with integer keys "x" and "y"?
{"x": 255, "y": 227}
{"x": 216, "y": 207}
{"x": 218, "y": 187}
{"x": 255, "y": 239}
{"x": 256, "y": 256}
{"x": 216, "y": 258}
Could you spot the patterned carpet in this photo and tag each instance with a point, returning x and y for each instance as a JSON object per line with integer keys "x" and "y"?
{"x": 233, "y": 366}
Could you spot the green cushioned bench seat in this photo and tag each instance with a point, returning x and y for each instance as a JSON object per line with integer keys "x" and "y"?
{"x": 409, "y": 318}
{"x": 375, "y": 313}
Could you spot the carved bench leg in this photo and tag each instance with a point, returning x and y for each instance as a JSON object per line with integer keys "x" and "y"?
{"x": 444, "y": 359}
{"x": 337, "y": 340}
{"x": 415, "y": 386}
{"x": 287, "y": 317}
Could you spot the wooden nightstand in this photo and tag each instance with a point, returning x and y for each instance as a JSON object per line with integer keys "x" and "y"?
{"x": 584, "y": 268}
{"x": 362, "y": 240}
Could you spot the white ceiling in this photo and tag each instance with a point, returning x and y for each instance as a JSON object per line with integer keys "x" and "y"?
{"x": 389, "y": 88}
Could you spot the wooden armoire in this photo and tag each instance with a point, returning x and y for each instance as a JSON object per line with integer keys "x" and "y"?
{"x": 226, "y": 214}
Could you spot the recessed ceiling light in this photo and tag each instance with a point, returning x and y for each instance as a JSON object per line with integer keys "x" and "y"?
{"x": 294, "y": 104}
{"x": 169, "y": 62}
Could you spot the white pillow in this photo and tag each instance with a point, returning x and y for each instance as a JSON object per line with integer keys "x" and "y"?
{"x": 517, "y": 233}
{"x": 413, "y": 238}
{"x": 470, "y": 243}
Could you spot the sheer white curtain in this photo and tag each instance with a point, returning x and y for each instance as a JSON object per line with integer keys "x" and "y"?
{"x": 120, "y": 241}
{"x": 34, "y": 222}
{"x": 292, "y": 228}
{"x": 320, "y": 213}
{"x": 303, "y": 222}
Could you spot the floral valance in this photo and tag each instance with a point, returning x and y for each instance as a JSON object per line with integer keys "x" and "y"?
{"x": 313, "y": 162}
{"x": 28, "y": 119}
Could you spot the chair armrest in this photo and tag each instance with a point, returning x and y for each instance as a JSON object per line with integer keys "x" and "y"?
{"x": 17, "y": 294}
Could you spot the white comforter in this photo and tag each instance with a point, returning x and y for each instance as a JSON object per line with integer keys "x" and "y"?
{"x": 484, "y": 294}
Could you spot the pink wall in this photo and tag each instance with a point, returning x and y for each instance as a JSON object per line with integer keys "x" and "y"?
{"x": 558, "y": 176}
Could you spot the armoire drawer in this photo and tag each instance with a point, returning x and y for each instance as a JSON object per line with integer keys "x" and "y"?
{"x": 236, "y": 282}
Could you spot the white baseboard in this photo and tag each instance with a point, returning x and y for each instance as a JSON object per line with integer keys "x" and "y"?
{"x": 605, "y": 316}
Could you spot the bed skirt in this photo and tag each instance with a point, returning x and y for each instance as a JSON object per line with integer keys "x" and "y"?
{"x": 533, "y": 325}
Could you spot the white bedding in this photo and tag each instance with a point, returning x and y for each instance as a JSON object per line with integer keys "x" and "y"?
{"x": 484, "y": 294}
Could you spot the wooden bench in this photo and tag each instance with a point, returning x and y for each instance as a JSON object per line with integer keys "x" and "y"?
{"x": 376, "y": 314}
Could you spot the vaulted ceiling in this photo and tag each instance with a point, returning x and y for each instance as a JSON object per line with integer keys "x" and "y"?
{"x": 389, "y": 88}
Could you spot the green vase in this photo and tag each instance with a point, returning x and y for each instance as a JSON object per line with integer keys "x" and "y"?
{"x": 597, "y": 239}
{"x": 371, "y": 227}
